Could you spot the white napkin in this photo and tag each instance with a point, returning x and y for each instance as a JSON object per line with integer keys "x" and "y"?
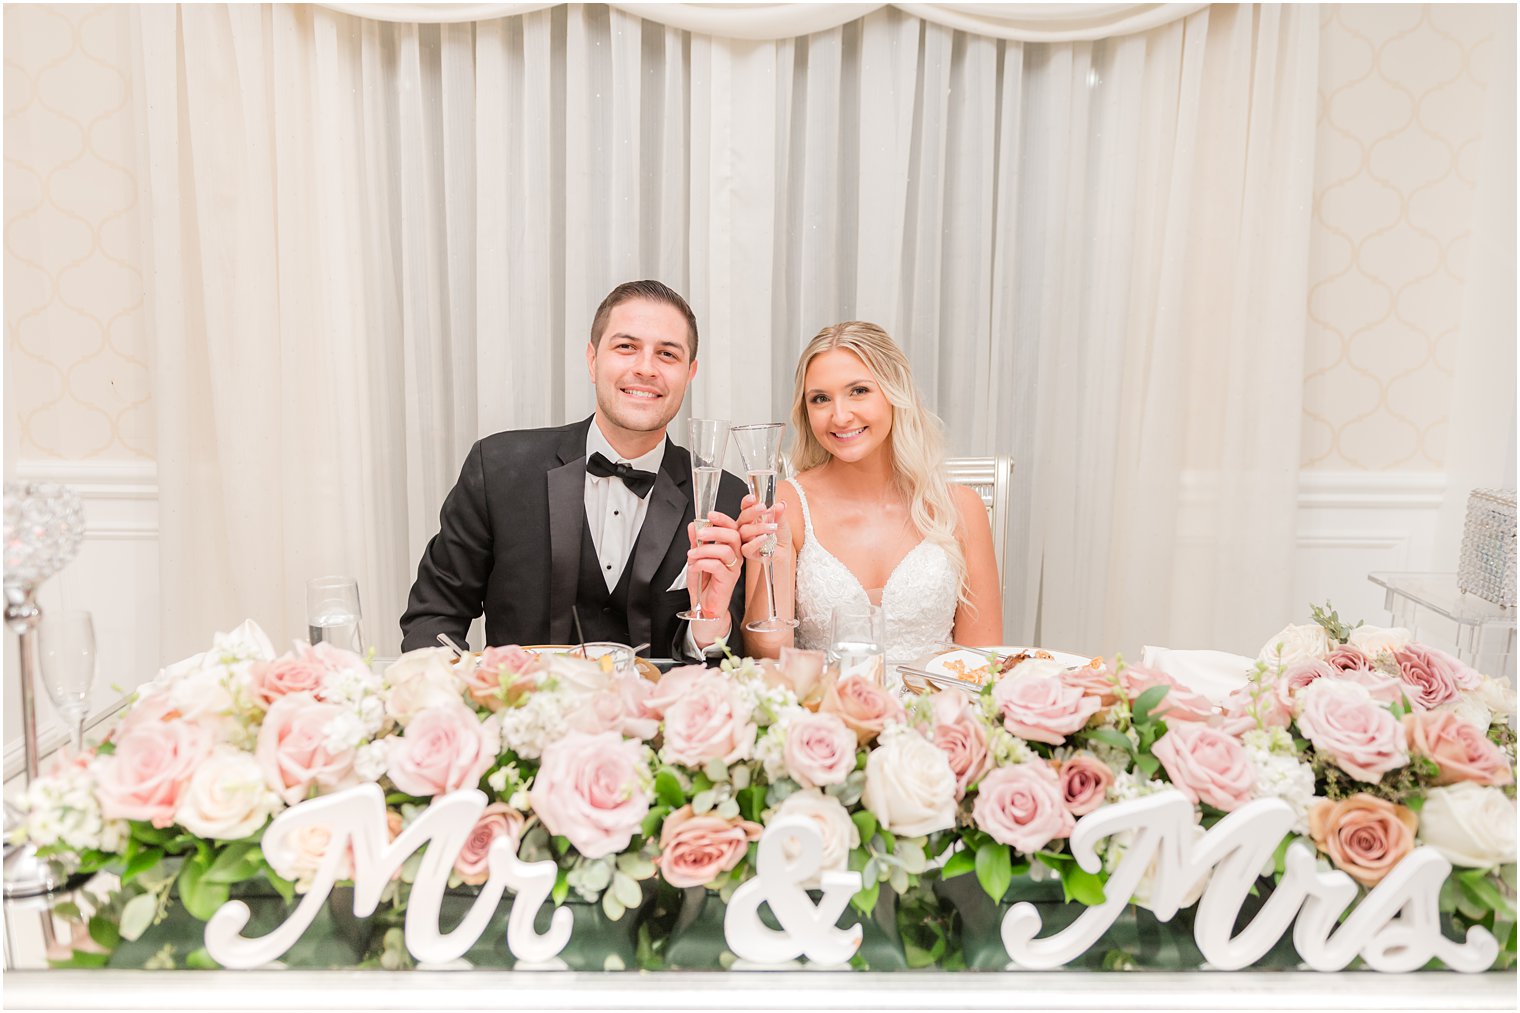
{"x": 1215, "y": 674}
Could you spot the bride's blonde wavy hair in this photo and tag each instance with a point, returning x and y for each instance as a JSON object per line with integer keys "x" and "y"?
{"x": 918, "y": 444}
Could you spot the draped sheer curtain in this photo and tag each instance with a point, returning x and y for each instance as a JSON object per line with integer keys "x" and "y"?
{"x": 371, "y": 243}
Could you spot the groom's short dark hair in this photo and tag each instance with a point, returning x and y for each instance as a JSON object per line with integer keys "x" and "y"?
{"x": 654, "y": 291}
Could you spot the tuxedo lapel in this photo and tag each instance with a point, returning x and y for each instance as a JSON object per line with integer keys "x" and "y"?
{"x": 567, "y": 521}
{"x": 670, "y": 508}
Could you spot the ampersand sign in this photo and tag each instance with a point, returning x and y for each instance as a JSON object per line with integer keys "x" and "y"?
{"x": 790, "y": 854}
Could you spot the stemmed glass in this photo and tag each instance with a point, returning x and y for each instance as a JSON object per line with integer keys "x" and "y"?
{"x": 760, "y": 449}
{"x": 68, "y": 668}
{"x": 709, "y": 442}
{"x": 333, "y": 613}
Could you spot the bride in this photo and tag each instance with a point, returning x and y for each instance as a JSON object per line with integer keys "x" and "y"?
{"x": 869, "y": 515}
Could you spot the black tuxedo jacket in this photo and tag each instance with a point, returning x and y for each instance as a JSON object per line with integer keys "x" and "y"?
{"x": 509, "y": 544}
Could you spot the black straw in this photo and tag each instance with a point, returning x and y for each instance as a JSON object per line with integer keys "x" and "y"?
{"x": 578, "y": 631}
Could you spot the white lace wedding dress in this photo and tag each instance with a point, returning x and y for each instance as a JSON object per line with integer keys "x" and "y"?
{"x": 919, "y": 596}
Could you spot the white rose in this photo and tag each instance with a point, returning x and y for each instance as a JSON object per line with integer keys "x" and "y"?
{"x": 227, "y": 798}
{"x": 1308, "y": 642}
{"x": 1120, "y": 843}
{"x": 1498, "y": 695}
{"x": 1473, "y": 711}
{"x": 576, "y": 677}
{"x": 1469, "y": 825}
{"x": 1373, "y": 640}
{"x": 909, "y": 784}
{"x": 202, "y": 697}
{"x": 300, "y": 853}
{"x": 419, "y": 680}
{"x": 840, "y": 835}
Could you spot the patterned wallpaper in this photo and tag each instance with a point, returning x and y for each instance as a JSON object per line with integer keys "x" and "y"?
{"x": 77, "y": 379}
{"x": 1400, "y": 126}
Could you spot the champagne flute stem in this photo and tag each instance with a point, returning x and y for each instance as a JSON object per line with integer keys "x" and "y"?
{"x": 79, "y": 735}
{"x": 770, "y": 587}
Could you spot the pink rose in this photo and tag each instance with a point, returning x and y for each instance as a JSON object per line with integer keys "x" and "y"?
{"x": 1385, "y": 689}
{"x": 862, "y": 705}
{"x": 819, "y": 750}
{"x": 501, "y": 676}
{"x": 1206, "y": 765}
{"x": 1021, "y": 806}
{"x": 590, "y": 789}
{"x": 444, "y": 748}
{"x": 674, "y": 685}
{"x": 1253, "y": 706}
{"x": 1345, "y": 657}
{"x": 1095, "y": 680}
{"x": 153, "y": 762}
{"x": 1459, "y": 749}
{"x": 1296, "y": 677}
{"x": 961, "y": 736}
{"x": 1042, "y": 708}
{"x": 623, "y": 708}
{"x": 709, "y": 722}
{"x": 1430, "y": 677}
{"x": 290, "y": 673}
{"x": 1366, "y": 837}
{"x": 1179, "y": 704}
{"x": 1084, "y": 781}
{"x": 294, "y": 752}
{"x": 801, "y": 671}
{"x": 1343, "y": 721}
{"x": 474, "y": 861}
{"x": 695, "y": 850}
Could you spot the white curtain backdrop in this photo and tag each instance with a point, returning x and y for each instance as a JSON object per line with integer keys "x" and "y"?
{"x": 372, "y": 243}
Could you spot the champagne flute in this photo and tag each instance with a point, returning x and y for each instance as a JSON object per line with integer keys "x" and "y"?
{"x": 709, "y": 442}
{"x": 67, "y": 651}
{"x": 760, "y": 448}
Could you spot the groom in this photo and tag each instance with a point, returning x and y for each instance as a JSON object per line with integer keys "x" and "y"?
{"x": 592, "y": 516}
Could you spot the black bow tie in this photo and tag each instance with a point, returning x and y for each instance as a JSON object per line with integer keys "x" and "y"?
{"x": 638, "y": 482}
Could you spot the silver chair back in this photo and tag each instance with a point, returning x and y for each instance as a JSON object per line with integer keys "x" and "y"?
{"x": 992, "y": 478}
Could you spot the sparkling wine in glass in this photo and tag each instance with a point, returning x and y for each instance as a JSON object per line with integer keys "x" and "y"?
{"x": 67, "y": 653}
{"x": 760, "y": 447}
{"x": 332, "y": 613}
{"x": 708, "y": 443}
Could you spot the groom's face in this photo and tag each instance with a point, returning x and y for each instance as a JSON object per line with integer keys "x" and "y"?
{"x": 641, "y": 365}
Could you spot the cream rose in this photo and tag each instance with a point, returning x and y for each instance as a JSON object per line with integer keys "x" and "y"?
{"x": 1306, "y": 642}
{"x": 227, "y": 798}
{"x": 1470, "y": 825}
{"x": 419, "y": 680}
{"x": 299, "y": 854}
{"x": 839, "y": 833}
{"x": 910, "y": 787}
{"x": 1373, "y": 640}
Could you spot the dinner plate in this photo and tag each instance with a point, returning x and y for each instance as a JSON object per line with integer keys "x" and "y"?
{"x": 967, "y": 670}
{"x": 645, "y": 667}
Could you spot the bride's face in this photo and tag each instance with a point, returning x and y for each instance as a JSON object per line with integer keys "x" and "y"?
{"x": 847, "y": 410}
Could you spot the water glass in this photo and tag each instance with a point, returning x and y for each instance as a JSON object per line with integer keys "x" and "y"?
{"x": 66, "y": 650}
{"x": 333, "y": 613}
{"x": 620, "y": 656}
{"x": 859, "y": 641}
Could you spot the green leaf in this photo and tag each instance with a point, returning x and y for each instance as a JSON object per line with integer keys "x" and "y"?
{"x": 104, "y": 931}
{"x": 201, "y": 960}
{"x": 994, "y": 869}
{"x": 137, "y": 915}
{"x": 1148, "y": 765}
{"x": 1113, "y": 738}
{"x": 1082, "y": 886}
{"x": 1147, "y": 702}
{"x": 865, "y": 823}
{"x": 752, "y": 802}
{"x": 653, "y": 819}
{"x": 81, "y": 958}
{"x": 1483, "y": 891}
{"x": 888, "y": 841}
{"x": 959, "y": 864}
{"x": 1280, "y": 856}
{"x": 236, "y": 863}
{"x": 200, "y": 898}
{"x": 627, "y": 891}
{"x": 282, "y": 886}
{"x": 865, "y": 900}
{"x": 700, "y": 782}
{"x": 561, "y": 888}
{"x": 667, "y": 788}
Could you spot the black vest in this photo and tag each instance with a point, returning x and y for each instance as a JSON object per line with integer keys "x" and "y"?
{"x": 604, "y": 614}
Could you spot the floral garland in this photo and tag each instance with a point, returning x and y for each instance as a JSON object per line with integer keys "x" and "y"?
{"x": 1377, "y": 743}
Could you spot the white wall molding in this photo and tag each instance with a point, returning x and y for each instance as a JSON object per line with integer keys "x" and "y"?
{"x": 1371, "y": 490}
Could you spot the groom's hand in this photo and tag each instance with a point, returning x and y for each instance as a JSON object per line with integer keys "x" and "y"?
{"x": 713, "y": 567}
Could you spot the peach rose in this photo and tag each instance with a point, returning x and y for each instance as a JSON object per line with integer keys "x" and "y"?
{"x": 1084, "y": 781}
{"x": 444, "y": 748}
{"x": 294, "y": 752}
{"x": 291, "y": 673}
{"x": 496, "y": 820}
{"x": 1042, "y": 708}
{"x": 695, "y": 850}
{"x": 1179, "y": 704}
{"x": 1430, "y": 677}
{"x": 961, "y": 736}
{"x": 145, "y": 777}
{"x": 499, "y": 676}
{"x": 1021, "y": 806}
{"x": 1095, "y": 680}
{"x": 418, "y": 680}
{"x": 1343, "y": 721}
{"x": 1364, "y": 836}
{"x": 801, "y": 671}
{"x": 862, "y": 705}
{"x": 673, "y": 685}
{"x": 1460, "y": 750}
{"x": 1207, "y": 765}
{"x": 819, "y": 749}
{"x": 709, "y": 722}
{"x": 299, "y": 855}
{"x": 590, "y": 789}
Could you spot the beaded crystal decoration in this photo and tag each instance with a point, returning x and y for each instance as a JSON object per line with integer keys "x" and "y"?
{"x": 1487, "y": 566}
{"x": 44, "y": 526}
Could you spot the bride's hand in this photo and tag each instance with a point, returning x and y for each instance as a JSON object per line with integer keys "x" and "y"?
{"x": 757, "y": 525}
